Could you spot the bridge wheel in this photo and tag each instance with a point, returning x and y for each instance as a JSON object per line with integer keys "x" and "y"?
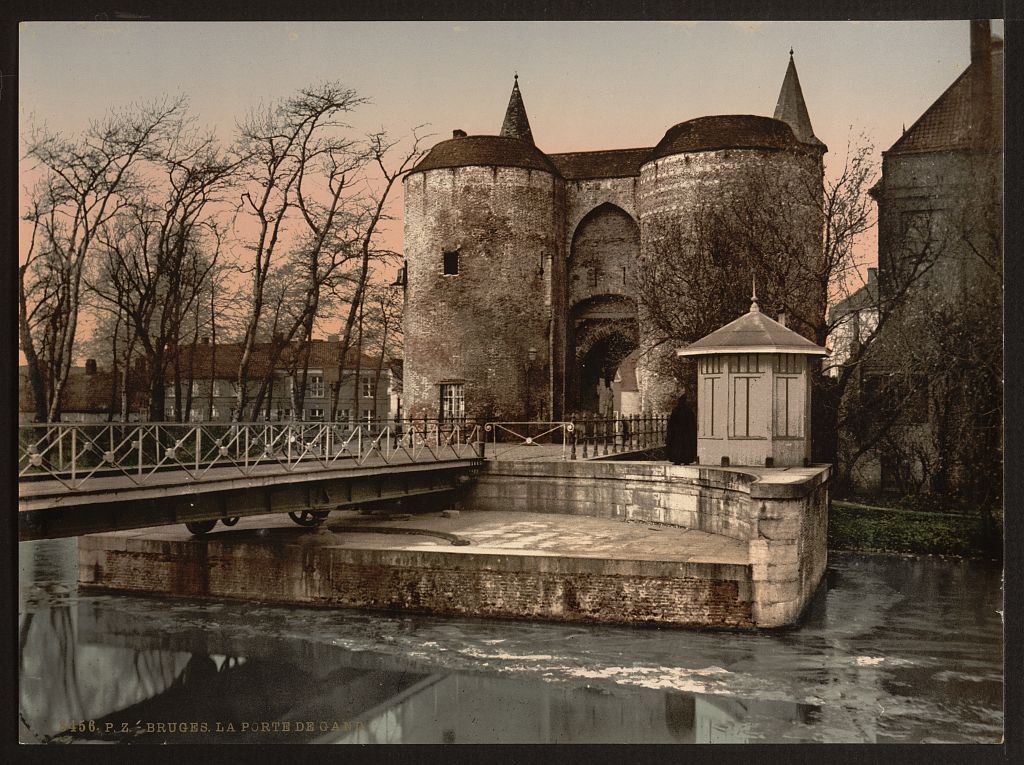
{"x": 230, "y": 521}
{"x": 309, "y": 517}
{"x": 200, "y": 527}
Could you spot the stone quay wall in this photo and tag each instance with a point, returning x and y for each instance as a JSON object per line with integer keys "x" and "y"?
{"x": 781, "y": 514}
{"x": 507, "y": 585}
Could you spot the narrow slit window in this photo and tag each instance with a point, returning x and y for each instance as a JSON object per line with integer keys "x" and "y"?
{"x": 451, "y": 263}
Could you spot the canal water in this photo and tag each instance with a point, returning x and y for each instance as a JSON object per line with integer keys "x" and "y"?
{"x": 893, "y": 649}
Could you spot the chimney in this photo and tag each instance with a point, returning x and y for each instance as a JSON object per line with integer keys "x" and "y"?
{"x": 872, "y": 275}
{"x": 782, "y": 318}
{"x": 333, "y": 339}
{"x": 981, "y": 81}
{"x": 90, "y": 366}
{"x": 457, "y": 133}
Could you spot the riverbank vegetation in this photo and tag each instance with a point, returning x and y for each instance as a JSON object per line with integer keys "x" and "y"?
{"x": 913, "y": 525}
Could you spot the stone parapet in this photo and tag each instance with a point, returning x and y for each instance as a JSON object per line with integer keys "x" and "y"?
{"x": 780, "y": 513}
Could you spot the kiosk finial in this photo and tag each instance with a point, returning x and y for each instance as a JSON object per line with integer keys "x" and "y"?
{"x": 753, "y": 296}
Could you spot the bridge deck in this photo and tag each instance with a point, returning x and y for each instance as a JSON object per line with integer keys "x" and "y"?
{"x": 38, "y": 493}
{"x": 53, "y": 493}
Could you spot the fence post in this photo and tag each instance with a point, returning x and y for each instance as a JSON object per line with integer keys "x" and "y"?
{"x": 604, "y": 430}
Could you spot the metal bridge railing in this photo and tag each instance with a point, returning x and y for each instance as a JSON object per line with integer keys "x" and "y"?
{"x": 77, "y": 453}
{"x": 585, "y": 437}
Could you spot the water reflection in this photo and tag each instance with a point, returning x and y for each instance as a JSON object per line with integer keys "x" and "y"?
{"x": 896, "y": 649}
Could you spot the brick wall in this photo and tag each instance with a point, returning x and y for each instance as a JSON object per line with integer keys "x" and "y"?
{"x": 477, "y": 326}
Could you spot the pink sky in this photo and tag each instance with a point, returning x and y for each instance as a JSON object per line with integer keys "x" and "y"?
{"x": 586, "y": 85}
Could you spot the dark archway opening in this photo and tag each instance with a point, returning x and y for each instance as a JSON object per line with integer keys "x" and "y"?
{"x": 596, "y": 367}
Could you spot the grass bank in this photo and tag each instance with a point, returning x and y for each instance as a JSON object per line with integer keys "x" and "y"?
{"x": 855, "y": 526}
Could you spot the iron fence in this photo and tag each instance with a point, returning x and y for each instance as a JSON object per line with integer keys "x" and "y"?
{"x": 585, "y": 437}
{"x": 74, "y": 453}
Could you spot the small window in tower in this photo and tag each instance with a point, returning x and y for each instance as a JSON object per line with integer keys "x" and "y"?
{"x": 451, "y": 263}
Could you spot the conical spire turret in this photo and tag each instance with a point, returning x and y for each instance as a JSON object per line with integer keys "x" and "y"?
{"x": 517, "y": 124}
{"x": 791, "y": 108}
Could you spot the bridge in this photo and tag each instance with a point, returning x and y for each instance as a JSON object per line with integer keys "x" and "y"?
{"x": 82, "y": 478}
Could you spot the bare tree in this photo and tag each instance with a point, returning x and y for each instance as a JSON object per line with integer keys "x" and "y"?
{"x": 697, "y": 275}
{"x": 367, "y": 226}
{"x": 382, "y": 329}
{"x": 285, "y": 146}
{"x": 84, "y": 184}
{"x": 155, "y": 256}
{"x": 936, "y": 366}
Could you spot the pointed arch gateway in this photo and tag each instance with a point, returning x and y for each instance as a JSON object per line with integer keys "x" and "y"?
{"x": 603, "y": 330}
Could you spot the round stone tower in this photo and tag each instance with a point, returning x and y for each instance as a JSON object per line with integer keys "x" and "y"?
{"x": 482, "y": 240}
{"x": 704, "y": 165}
{"x": 707, "y": 164}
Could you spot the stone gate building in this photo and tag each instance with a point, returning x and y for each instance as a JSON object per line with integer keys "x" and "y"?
{"x": 520, "y": 295}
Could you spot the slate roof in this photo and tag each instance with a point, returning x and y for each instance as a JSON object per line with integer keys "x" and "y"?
{"x": 486, "y": 151}
{"x": 614, "y": 163}
{"x": 732, "y": 131}
{"x": 83, "y": 393}
{"x": 792, "y": 110}
{"x": 946, "y": 124}
{"x": 753, "y": 332}
{"x": 864, "y": 298}
{"x": 516, "y": 123}
{"x": 323, "y": 354}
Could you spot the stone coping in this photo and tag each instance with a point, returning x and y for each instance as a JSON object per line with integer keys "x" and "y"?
{"x": 509, "y": 539}
{"x": 759, "y": 482}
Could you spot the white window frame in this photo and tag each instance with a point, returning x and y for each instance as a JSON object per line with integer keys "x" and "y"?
{"x": 316, "y": 385}
{"x": 453, "y": 401}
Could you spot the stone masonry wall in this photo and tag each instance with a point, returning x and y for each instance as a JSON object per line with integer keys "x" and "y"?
{"x": 789, "y": 557}
{"x": 673, "y": 189}
{"x": 506, "y": 586}
{"x": 700, "y": 498}
{"x": 476, "y": 327}
{"x": 783, "y": 520}
{"x": 603, "y": 256}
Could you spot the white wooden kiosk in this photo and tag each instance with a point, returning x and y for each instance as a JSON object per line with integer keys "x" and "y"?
{"x": 753, "y": 395}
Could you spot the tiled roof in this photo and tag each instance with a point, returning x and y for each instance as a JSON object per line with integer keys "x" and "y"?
{"x": 485, "y": 151}
{"x": 733, "y": 131}
{"x": 753, "y": 332}
{"x": 947, "y": 123}
{"x": 615, "y": 163}
{"x": 323, "y": 354}
{"x": 83, "y": 393}
{"x": 516, "y": 123}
